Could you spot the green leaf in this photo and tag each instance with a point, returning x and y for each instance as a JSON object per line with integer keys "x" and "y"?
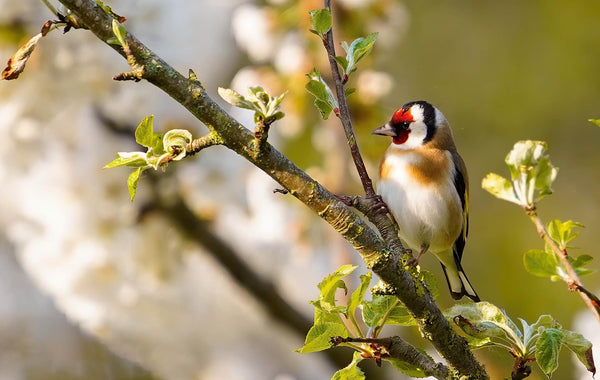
{"x": 119, "y": 32}
{"x": 349, "y": 91}
{"x": 351, "y": 371}
{"x": 499, "y": 187}
{"x": 548, "y": 348}
{"x": 132, "y": 181}
{"x": 235, "y": 99}
{"x": 108, "y": 10}
{"x": 581, "y": 347}
{"x": 407, "y": 368}
{"x": 175, "y": 142}
{"x": 144, "y": 133}
{"x": 320, "y": 20}
{"x": 389, "y": 307}
{"x": 343, "y": 62}
{"x": 542, "y": 263}
{"x": 358, "y": 49}
{"x": 325, "y": 308}
{"x": 484, "y": 320}
{"x": 324, "y": 99}
{"x": 359, "y": 294}
{"x": 319, "y": 336}
{"x": 561, "y": 232}
{"x": 595, "y": 121}
{"x": 132, "y": 159}
{"x": 581, "y": 260}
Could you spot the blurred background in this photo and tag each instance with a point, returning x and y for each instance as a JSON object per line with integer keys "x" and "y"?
{"x": 208, "y": 274}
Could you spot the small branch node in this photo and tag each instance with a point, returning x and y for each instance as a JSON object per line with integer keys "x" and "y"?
{"x": 281, "y": 191}
{"x": 261, "y": 134}
{"x": 134, "y": 75}
{"x": 200, "y": 143}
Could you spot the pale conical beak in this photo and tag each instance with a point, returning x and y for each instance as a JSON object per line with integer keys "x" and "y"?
{"x": 385, "y": 130}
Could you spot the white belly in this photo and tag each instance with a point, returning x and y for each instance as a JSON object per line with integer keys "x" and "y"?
{"x": 427, "y": 215}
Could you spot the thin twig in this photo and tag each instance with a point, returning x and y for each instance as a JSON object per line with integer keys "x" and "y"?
{"x": 573, "y": 280}
{"x": 398, "y": 348}
{"x": 200, "y": 143}
{"x": 344, "y": 113}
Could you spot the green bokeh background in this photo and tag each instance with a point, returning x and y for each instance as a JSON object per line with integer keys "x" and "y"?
{"x": 503, "y": 72}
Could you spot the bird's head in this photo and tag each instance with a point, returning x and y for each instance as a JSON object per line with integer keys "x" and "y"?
{"x": 413, "y": 125}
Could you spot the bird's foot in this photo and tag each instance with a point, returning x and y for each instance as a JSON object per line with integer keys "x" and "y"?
{"x": 377, "y": 205}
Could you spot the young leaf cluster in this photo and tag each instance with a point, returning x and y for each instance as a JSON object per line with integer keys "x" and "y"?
{"x": 545, "y": 263}
{"x": 161, "y": 149}
{"x": 531, "y": 173}
{"x": 324, "y": 99}
{"x": 325, "y": 102}
{"x": 265, "y": 107}
{"x": 485, "y": 325}
{"x": 333, "y": 320}
{"x": 357, "y": 50}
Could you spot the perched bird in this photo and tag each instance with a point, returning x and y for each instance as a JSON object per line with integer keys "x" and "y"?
{"x": 424, "y": 182}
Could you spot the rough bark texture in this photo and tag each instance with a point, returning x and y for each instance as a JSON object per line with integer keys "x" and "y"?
{"x": 376, "y": 254}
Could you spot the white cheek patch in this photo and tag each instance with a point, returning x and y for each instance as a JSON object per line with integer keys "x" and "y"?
{"x": 418, "y": 132}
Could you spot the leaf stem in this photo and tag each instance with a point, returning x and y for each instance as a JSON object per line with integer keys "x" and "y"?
{"x": 379, "y": 327}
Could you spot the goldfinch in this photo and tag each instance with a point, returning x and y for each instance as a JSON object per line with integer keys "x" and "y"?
{"x": 423, "y": 180}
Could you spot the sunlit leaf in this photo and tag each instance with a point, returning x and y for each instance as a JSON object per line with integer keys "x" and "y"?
{"x": 595, "y": 121}
{"x": 499, "y": 187}
{"x": 542, "y": 263}
{"x": 562, "y": 232}
{"x": 385, "y": 306}
{"x": 324, "y": 99}
{"x": 119, "y": 32}
{"x": 132, "y": 159}
{"x": 352, "y": 371}
{"x": 320, "y": 20}
{"x": 235, "y": 99}
{"x": 144, "y": 133}
{"x": 132, "y": 181}
{"x": 358, "y": 49}
{"x": 548, "y": 348}
{"x": 358, "y": 295}
{"x": 581, "y": 347}
{"x": 326, "y": 309}
{"x": 319, "y": 337}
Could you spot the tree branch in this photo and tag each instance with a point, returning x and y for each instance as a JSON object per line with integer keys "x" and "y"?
{"x": 573, "y": 280}
{"x": 344, "y": 112}
{"x": 398, "y": 348}
{"x": 373, "y": 250}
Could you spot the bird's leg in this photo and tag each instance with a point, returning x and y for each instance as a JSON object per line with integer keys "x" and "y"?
{"x": 415, "y": 261}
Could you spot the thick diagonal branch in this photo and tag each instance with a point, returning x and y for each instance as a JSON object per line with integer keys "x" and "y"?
{"x": 376, "y": 254}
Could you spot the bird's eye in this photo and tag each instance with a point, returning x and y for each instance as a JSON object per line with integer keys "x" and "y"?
{"x": 405, "y": 124}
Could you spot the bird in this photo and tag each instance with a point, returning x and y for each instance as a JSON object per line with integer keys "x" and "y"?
{"x": 424, "y": 183}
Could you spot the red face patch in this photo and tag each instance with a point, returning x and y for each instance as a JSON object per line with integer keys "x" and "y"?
{"x": 402, "y": 115}
{"x": 401, "y": 138}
